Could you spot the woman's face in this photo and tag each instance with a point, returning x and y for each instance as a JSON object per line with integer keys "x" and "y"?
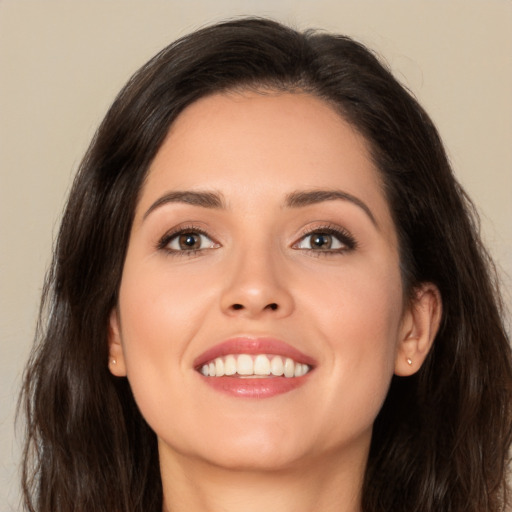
{"x": 262, "y": 243}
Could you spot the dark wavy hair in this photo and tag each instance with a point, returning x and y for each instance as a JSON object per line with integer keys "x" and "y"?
{"x": 441, "y": 440}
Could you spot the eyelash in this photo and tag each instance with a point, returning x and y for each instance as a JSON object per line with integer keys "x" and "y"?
{"x": 164, "y": 242}
{"x": 344, "y": 237}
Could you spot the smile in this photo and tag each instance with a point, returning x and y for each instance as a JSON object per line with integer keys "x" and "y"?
{"x": 256, "y": 366}
{"x": 247, "y": 367}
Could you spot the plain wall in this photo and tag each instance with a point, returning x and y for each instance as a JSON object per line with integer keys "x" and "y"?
{"x": 61, "y": 63}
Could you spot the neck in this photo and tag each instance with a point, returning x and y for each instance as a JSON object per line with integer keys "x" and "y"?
{"x": 192, "y": 485}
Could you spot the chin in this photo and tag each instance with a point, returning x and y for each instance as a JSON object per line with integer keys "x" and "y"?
{"x": 258, "y": 458}
{"x": 246, "y": 449}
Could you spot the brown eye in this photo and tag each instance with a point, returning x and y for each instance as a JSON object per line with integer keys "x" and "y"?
{"x": 320, "y": 241}
{"x": 189, "y": 241}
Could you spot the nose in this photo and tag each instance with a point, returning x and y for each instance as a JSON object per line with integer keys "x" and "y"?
{"x": 256, "y": 285}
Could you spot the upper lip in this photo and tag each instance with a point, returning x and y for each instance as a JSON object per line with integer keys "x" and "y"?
{"x": 248, "y": 345}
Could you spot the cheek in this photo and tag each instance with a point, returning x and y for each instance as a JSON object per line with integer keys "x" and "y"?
{"x": 359, "y": 303}
{"x": 159, "y": 308}
{"x": 160, "y": 313}
{"x": 358, "y": 315}
{"x": 370, "y": 319}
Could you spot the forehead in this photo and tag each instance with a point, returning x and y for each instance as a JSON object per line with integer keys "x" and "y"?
{"x": 252, "y": 146}
{"x": 287, "y": 124}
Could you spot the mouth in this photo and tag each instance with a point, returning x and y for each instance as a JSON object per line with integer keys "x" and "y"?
{"x": 254, "y": 367}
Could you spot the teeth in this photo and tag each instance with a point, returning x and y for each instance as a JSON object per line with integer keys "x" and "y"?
{"x": 300, "y": 370}
{"x": 244, "y": 365}
{"x": 289, "y": 368}
{"x": 276, "y": 366}
{"x": 229, "y": 365}
{"x": 259, "y": 365}
{"x": 219, "y": 367}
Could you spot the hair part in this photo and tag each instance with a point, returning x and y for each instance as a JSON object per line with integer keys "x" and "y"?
{"x": 442, "y": 438}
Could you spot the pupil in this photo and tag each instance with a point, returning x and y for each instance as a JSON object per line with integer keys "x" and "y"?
{"x": 322, "y": 241}
{"x": 188, "y": 241}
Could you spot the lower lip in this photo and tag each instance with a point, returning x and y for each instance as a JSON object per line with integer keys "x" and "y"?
{"x": 255, "y": 387}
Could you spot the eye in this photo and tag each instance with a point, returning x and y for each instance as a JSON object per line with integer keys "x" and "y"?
{"x": 319, "y": 241}
{"x": 326, "y": 240}
{"x": 187, "y": 241}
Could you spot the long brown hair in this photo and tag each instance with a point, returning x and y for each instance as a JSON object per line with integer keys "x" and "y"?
{"x": 441, "y": 440}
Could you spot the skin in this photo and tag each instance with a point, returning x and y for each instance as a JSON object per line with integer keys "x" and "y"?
{"x": 304, "y": 450}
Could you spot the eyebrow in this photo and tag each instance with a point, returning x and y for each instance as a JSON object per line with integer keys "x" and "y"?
{"x": 300, "y": 199}
{"x": 203, "y": 199}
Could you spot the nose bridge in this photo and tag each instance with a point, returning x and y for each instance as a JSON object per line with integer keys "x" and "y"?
{"x": 256, "y": 282}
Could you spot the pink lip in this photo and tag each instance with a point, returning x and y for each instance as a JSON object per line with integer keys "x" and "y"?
{"x": 254, "y": 387}
{"x": 251, "y": 346}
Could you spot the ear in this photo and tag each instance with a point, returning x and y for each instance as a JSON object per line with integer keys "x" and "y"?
{"x": 418, "y": 330}
{"x": 116, "y": 363}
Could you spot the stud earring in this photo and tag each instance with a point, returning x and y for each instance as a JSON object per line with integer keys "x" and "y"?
{"x": 409, "y": 361}
{"x": 114, "y": 362}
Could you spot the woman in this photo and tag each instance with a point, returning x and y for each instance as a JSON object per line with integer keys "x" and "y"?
{"x": 268, "y": 292}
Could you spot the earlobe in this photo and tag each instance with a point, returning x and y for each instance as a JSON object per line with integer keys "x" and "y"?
{"x": 116, "y": 362}
{"x": 418, "y": 330}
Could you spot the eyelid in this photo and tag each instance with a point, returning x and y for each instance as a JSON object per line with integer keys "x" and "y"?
{"x": 176, "y": 239}
{"x": 341, "y": 234}
{"x": 165, "y": 240}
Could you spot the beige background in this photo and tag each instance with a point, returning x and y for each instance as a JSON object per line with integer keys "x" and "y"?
{"x": 61, "y": 64}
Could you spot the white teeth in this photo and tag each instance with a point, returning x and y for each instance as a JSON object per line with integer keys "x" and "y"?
{"x": 276, "y": 366}
{"x": 259, "y": 365}
{"x": 300, "y": 370}
{"x": 244, "y": 365}
{"x": 289, "y": 368}
{"x": 219, "y": 367}
{"x": 229, "y": 365}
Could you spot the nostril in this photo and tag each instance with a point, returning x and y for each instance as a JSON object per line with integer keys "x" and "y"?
{"x": 273, "y": 306}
